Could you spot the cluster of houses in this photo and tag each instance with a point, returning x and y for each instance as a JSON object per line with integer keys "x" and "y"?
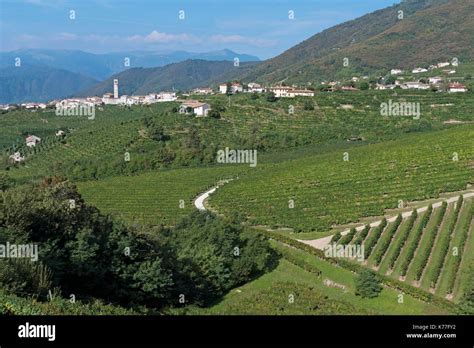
{"x": 114, "y": 99}
{"x": 279, "y": 91}
{"x": 432, "y": 83}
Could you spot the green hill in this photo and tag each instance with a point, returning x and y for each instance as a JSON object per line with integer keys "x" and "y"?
{"x": 430, "y": 31}
{"x": 180, "y": 76}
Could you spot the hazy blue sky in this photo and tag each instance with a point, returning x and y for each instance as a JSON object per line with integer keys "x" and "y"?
{"x": 259, "y": 27}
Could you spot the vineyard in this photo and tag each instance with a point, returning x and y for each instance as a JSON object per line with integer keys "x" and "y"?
{"x": 340, "y": 187}
{"x": 154, "y": 198}
{"x": 425, "y": 249}
{"x": 244, "y": 123}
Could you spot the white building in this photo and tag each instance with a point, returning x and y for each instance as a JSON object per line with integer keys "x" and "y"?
{"x": 203, "y": 91}
{"x": 60, "y": 133}
{"x": 282, "y": 91}
{"x": 442, "y": 65}
{"x": 415, "y": 85}
{"x": 457, "y": 88}
{"x": 16, "y": 157}
{"x": 396, "y": 72}
{"x": 32, "y": 140}
{"x": 435, "y": 80}
{"x": 223, "y": 88}
{"x": 233, "y": 88}
{"x": 197, "y": 107}
{"x": 303, "y": 93}
{"x": 419, "y": 70}
{"x": 253, "y": 87}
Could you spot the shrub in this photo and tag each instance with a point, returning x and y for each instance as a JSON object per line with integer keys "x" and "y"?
{"x": 367, "y": 284}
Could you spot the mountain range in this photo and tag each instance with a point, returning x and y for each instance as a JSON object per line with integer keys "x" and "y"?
{"x": 406, "y": 35}
{"x": 41, "y": 70}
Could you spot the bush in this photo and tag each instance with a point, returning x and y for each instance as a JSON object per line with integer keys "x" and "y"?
{"x": 367, "y": 284}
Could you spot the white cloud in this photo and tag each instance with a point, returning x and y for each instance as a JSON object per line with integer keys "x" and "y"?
{"x": 158, "y": 37}
{"x": 230, "y": 39}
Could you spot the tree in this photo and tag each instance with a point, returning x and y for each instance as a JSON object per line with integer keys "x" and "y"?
{"x": 390, "y": 80}
{"x": 364, "y": 86}
{"x": 308, "y": 105}
{"x": 367, "y": 284}
{"x": 271, "y": 97}
{"x": 214, "y": 114}
{"x": 5, "y": 181}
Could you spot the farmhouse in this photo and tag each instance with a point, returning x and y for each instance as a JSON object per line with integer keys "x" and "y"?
{"x": 396, "y": 72}
{"x": 195, "y": 107}
{"x": 349, "y": 88}
{"x": 457, "y": 88}
{"x": 419, "y": 70}
{"x": 282, "y": 91}
{"x": 435, "y": 80}
{"x": 60, "y": 133}
{"x": 415, "y": 85}
{"x": 233, "y": 88}
{"x": 303, "y": 93}
{"x": 17, "y": 157}
{"x": 442, "y": 65}
{"x": 32, "y": 140}
{"x": 253, "y": 87}
{"x": 203, "y": 90}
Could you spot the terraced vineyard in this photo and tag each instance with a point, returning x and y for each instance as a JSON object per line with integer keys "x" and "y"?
{"x": 340, "y": 187}
{"x": 426, "y": 247}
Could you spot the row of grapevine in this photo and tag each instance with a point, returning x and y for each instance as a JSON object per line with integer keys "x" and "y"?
{"x": 461, "y": 248}
{"x": 362, "y": 235}
{"x": 374, "y": 238}
{"x": 401, "y": 242}
{"x": 348, "y": 237}
{"x": 414, "y": 245}
{"x": 444, "y": 245}
{"x": 385, "y": 242}
{"x": 426, "y": 254}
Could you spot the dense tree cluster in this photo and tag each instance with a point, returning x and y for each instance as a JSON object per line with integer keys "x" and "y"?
{"x": 88, "y": 254}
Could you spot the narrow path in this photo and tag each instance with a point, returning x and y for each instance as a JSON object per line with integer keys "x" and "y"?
{"x": 199, "y": 201}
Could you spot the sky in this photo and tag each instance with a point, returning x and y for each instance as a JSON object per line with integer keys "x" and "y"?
{"x": 264, "y": 28}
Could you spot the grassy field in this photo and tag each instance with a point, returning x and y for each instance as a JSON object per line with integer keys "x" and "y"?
{"x": 254, "y": 297}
